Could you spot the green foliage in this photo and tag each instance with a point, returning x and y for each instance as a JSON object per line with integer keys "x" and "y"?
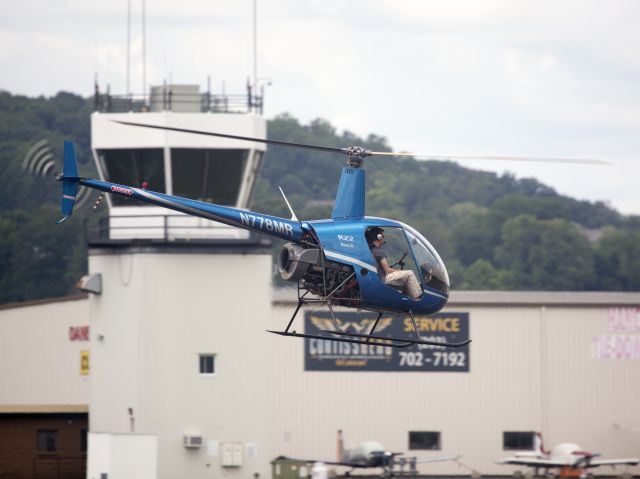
{"x": 617, "y": 260}
{"x": 549, "y": 253}
{"x": 39, "y": 259}
{"x": 493, "y": 232}
{"x": 482, "y": 275}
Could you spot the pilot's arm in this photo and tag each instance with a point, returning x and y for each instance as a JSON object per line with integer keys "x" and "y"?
{"x": 385, "y": 266}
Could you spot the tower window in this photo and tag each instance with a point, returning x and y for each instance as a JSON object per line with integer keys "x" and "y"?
{"x": 208, "y": 175}
{"x": 133, "y": 167}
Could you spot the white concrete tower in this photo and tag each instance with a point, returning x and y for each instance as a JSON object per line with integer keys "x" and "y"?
{"x": 180, "y": 361}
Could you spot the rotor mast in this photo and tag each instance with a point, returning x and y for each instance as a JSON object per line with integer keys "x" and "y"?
{"x": 355, "y": 155}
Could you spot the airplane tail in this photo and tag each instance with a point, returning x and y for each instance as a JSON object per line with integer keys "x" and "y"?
{"x": 538, "y": 444}
{"x": 70, "y": 181}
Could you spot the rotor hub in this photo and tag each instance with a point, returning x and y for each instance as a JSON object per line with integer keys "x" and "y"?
{"x": 356, "y": 155}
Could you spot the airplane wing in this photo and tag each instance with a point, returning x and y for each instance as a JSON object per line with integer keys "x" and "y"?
{"x": 630, "y": 461}
{"x": 353, "y": 464}
{"x": 532, "y": 462}
{"x": 530, "y": 455}
{"x": 451, "y": 457}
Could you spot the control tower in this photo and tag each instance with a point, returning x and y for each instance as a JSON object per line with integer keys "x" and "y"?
{"x": 180, "y": 362}
{"x": 205, "y": 168}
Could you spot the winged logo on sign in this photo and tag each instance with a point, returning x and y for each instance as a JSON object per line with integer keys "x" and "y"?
{"x": 360, "y": 327}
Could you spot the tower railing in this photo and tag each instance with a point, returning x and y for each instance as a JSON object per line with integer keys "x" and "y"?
{"x": 171, "y": 100}
{"x": 164, "y": 228}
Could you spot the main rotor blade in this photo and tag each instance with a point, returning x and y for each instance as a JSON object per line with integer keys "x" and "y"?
{"x": 234, "y": 137}
{"x": 361, "y": 152}
{"x": 581, "y": 161}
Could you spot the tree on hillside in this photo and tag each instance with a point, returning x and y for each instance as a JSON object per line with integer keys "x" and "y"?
{"x": 617, "y": 259}
{"x": 544, "y": 254}
{"x": 495, "y": 232}
{"x": 39, "y": 259}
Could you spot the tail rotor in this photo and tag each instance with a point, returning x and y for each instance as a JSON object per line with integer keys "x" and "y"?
{"x": 40, "y": 160}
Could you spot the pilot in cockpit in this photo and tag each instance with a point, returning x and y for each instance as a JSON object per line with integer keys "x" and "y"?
{"x": 391, "y": 276}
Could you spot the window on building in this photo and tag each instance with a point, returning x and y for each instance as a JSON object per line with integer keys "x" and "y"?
{"x": 429, "y": 440}
{"x": 133, "y": 167}
{"x": 208, "y": 175}
{"x": 208, "y": 364}
{"x": 518, "y": 440}
{"x": 47, "y": 441}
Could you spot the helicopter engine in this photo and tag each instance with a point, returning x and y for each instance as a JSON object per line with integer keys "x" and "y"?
{"x": 319, "y": 276}
{"x": 294, "y": 261}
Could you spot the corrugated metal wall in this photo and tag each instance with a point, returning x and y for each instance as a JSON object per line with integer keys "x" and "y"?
{"x": 531, "y": 369}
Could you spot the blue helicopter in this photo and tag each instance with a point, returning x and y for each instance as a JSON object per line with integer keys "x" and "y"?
{"x": 331, "y": 260}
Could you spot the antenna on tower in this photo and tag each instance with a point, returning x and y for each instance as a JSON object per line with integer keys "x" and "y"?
{"x": 255, "y": 47}
{"x": 144, "y": 55}
{"x": 128, "y": 46}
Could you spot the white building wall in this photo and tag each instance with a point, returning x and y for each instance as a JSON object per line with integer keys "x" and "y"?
{"x": 596, "y": 399}
{"x": 117, "y": 317}
{"x": 39, "y": 363}
{"x": 157, "y": 313}
{"x": 106, "y": 133}
{"x": 122, "y": 456}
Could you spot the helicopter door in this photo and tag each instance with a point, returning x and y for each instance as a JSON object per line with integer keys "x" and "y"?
{"x": 398, "y": 252}
{"x": 432, "y": 271}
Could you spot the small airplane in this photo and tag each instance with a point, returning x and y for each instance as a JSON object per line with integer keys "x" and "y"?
{"x": 331, "y": 260}
{"x": 570, "y": 459}
{"x": 372, "y": 454}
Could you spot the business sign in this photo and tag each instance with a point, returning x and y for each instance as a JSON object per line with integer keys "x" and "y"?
{"x": 84, "y": 363}
{"x": 78, "y": 333}
{"x": 619, "y": 343}
{"x": 328, "y": 355}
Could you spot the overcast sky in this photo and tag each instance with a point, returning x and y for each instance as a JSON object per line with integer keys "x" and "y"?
{"x": 527, "y": 78}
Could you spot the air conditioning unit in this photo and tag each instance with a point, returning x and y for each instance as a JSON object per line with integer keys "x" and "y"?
{"x": 193, "y": 441}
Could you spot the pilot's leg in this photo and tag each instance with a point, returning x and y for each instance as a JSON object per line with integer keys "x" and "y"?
{"x": 409, "y": 282}
{"x": 412, "y": 285}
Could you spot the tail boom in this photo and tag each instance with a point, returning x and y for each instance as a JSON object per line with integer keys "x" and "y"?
{"x": 266, "y": 224}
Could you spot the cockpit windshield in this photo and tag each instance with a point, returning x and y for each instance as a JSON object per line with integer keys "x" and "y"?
{"x": 434, "y": 274}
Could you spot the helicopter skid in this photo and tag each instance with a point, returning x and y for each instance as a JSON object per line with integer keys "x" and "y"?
{"x": 406, "y": 342}
{"x": 372, "y": 341}
{"x": 366, "y": 339}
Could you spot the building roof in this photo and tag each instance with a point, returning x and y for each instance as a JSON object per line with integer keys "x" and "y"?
{"x": 39, "y": 302}
{"x": 513, "y": 298}
{"x": 43, "y": 408}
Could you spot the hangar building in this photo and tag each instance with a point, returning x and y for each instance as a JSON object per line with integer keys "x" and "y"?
{"x": 564, "y": 364}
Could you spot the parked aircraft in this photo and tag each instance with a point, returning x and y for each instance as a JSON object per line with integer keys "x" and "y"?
{"x": 565, "y": 459}
{"x": 372, "y": 454}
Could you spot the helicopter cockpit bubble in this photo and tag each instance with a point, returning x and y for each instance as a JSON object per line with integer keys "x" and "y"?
{"x": 434, "y": 274}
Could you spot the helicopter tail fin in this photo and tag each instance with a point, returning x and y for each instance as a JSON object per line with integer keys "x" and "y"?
{"x": 350, "y": 198}
{"x": 70, "y": 181}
